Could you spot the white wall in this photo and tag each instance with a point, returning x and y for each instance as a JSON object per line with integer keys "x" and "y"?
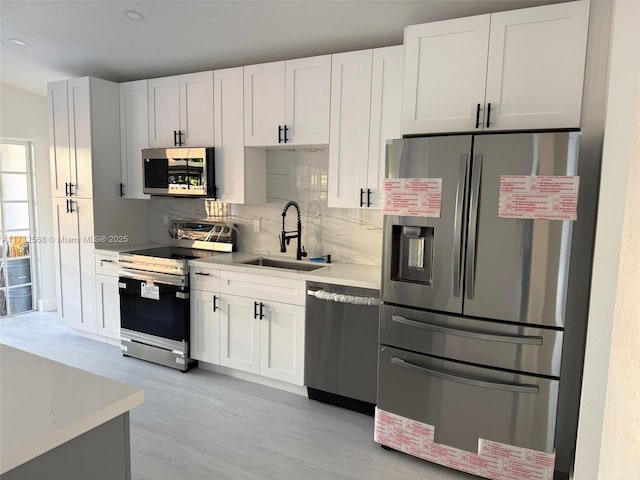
{"x": 609, "y": 433}
{"x": 23, "y": 116}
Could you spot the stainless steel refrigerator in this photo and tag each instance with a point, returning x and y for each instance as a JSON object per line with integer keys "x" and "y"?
{"x": 474, "y": 318}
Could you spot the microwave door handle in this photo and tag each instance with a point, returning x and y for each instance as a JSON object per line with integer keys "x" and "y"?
{"x": 473, "y": 227}
{"x": 457, "y": 232}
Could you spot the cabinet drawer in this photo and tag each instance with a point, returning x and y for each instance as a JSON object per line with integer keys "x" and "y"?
{"x": 203, "y": 278}
{"x": 283, "y": 290}
{"x": 495, "y": 344}
{"x": 107, "y": 263}
{"x": 465, "y": 403}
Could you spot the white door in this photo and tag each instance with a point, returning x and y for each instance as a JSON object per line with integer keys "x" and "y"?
{"x": 204, "y": 342}
{"x": 164, "y": 111}
{"x": 282, "y": 342}
{"x": 386, "y": 109}
{"x": 81, "y": 179}
{"x": 263, "y": 104}
{"x": 59, "y": 138}
{"x": 349, "y": 133}
{"x": 84, "y": 210}
{"x": 67, "y": 254}
{"x": 307, "y": 100}
{"x": 134, "y": 136}
{"x": 239, "y": 333}
{"x": 108, "y": 306}
{"x": 536, "y": 66}
{"x": 196, "y": 109}
{"x": 444, "y": 75}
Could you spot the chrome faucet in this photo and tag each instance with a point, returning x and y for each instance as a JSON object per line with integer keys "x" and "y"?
{"x": 286, "y": 237}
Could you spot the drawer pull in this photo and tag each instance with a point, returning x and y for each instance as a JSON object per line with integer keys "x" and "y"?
{"x": 102, "y": 260}
{"x": 521, "y": 340}
{"x": 203, "y": 274}
{"x": 509, "y": 387}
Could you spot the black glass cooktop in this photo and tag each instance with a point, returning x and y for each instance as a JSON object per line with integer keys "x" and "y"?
{"x": 175, "y": 253}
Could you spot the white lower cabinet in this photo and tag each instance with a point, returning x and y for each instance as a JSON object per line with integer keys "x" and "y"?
{"x": 108, "y": 304}
{"x": 258, "y": 332}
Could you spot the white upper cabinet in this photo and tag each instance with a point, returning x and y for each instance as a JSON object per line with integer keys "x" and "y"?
{"x": 520, "y": 69}
{"x": 181, "y": 110}
{"x": 536, "y": 65}
{"x": 386, "y": 114}
{"x": 134, "y": 136}
{"x": 349, "y": 137}
{"x": 444, "y": 74}
{"x": 287, "y": 102}
{"x": 366, "y": 103}
{"x": 240, "y": 172}
{"x": 59, "y": 151}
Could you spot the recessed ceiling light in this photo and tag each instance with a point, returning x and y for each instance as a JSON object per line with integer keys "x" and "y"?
{"x": 133, "y": 15}
{"x": 17, "y": 41}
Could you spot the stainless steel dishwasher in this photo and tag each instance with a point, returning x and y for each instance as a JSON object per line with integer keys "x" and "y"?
{"x": 341, "y": 345}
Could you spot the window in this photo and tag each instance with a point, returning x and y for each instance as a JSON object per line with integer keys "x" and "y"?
{"x": 16, "y": 206}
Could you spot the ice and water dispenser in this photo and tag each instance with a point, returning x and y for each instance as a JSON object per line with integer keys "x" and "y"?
{"x": 412, "y": 254}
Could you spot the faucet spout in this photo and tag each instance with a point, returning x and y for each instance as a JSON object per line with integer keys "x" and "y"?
{"x": 286, "y": 237}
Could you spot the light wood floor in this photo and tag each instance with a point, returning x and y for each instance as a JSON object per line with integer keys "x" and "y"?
{"x": 204, "y": 426}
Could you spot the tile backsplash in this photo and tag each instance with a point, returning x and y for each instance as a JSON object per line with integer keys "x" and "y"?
{"x": 348, "y": 235}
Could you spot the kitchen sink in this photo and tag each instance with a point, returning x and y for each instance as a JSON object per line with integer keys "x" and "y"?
{"x": 289, "y": 265}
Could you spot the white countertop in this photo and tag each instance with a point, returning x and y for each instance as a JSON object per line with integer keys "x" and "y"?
{"x": 44, "y": 404}
{"x": 127, "y": 247}
{"x": 364, "y": 276}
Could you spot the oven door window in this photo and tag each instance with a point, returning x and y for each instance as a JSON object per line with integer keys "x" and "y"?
{"x": 156, "y": 173}
{"x": 167, "y": 317}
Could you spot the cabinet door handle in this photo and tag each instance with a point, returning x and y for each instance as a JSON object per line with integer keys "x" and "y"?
{"x": 261, "y": 307}
{"x": 122, "y": 189}
{"x": 175, "y": 138}
{"x": 361, "y": 195}
{"x": 71, "y": 185}
{"x": 286, "y": 129}
{"x": 66, "y": 188}
{"x": 255, "y": 309}
{"x": 368, "y": 197}
{"x": 104, "y": 260}
{"x": 180, "y": 143}
{"x": 68, "y": 205}
{"x": 71, "y": 210}
{"x": 279, "y": 133}
{"x": 488, "y": 114}
{"x": 478, "y": 116}
{"x": 215, "y": 303}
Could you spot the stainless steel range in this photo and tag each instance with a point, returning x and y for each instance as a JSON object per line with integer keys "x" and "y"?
{"x": 154, "y": 291}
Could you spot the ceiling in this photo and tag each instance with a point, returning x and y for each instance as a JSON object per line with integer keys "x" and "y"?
{"x": 77, "y": 38}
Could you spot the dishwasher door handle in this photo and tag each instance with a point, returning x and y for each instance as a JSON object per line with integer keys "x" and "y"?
{"x": 343, "y": 298}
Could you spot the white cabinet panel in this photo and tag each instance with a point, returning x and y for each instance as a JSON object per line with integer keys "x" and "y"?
{"x": 386, "y": 113}
{"x": 196, "y": 109}
{"x": 164, "y": 111}
{"x": 108, "y": 306}
{"x": 282, "y": 342}
{"x": 445, "y": 72}
{"x": 80, "y": 124}
{"x": 239, "y": 334}
{"x": 134, "y": 136}
{"x": 204, "y": 343}
{"x": 284, "y": 290}
{"x": 263, "y": 103}
{"x": 349, "y": 132}
{"x": 307, "y": 100}
{"x": 240, "y": 173}
{"x": 59, "y": 151}
{"x": 536, "y": 66}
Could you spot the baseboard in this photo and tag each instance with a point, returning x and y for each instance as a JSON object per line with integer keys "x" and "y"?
{"x": 251, "y": 377}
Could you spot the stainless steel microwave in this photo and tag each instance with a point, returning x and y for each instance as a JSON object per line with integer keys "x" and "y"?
{"x": 179, "y": 172}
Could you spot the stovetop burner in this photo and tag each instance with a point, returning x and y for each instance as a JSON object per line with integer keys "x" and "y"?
{"x": 174, "y": 253}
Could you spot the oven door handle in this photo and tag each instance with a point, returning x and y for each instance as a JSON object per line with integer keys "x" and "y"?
{"x": 160, "y": 278}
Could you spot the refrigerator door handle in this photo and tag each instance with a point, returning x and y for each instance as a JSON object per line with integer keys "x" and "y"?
{"x": 457, "y": 232}
{"x": 509, "y": 387}
{"x": 492, "y": 337}
{"x": 473, "y": 226}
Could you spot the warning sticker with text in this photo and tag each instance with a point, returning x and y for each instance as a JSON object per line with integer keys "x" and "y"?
{"x": 412, "y": 197}
{"x": 539, "y": 197}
